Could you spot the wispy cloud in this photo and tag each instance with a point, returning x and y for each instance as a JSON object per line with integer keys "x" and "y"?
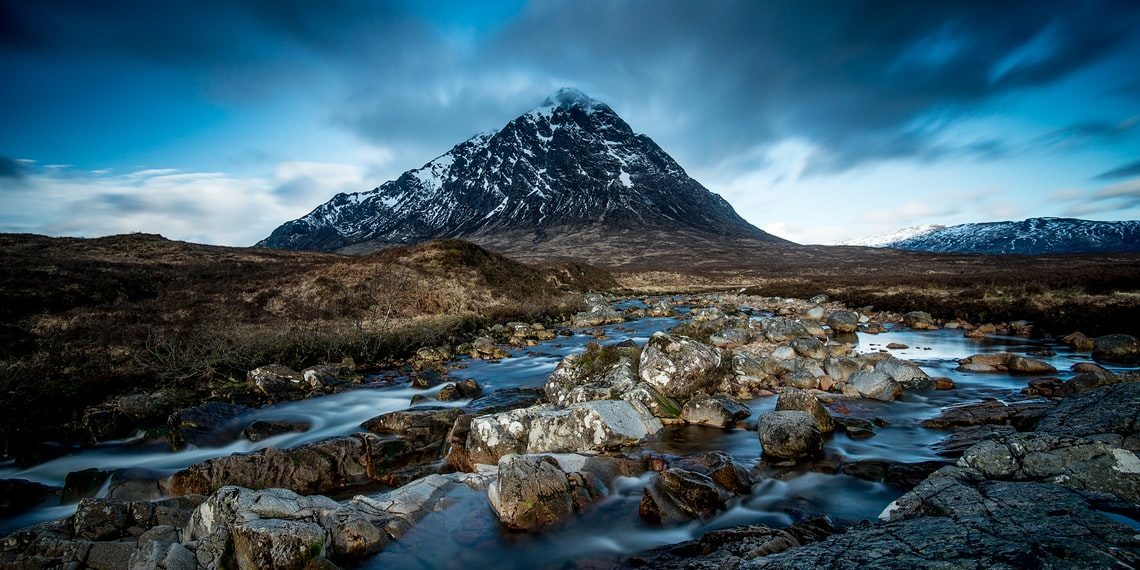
{"x": 206, "y": 207}
{"x": 1124, "y": 171}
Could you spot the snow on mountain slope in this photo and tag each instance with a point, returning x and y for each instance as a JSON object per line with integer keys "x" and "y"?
{"x": 1032, "y": 236}
{"x": 567, "y": 164}
{"x": 883, "y": 240}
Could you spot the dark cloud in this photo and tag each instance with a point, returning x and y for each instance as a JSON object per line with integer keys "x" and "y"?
{"x": 1089, "y": 132}
{"x": 11, "y": 169}
{"x": 1129, "y": 170}
{"x": 862, "y": 81}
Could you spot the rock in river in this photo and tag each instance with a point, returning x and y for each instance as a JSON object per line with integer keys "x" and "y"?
{"x": 789, "y": 435}
{"x": 678, "y": 366}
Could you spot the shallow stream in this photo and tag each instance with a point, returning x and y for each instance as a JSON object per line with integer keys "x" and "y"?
{"x": 468, "y": 534}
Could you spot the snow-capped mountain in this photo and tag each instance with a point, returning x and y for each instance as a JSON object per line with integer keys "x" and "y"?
{"x": 884, "y": 240}
{"x": 571, "y": 163}
{"x": 1030, "y": 237}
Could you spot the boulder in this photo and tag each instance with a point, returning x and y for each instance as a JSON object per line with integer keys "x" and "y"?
{"x": 276, "y": 528}
{"x": 399, "y": 510}
{"x": 278, "y": 382}
{"x": 793, "y": 399}
{"x": 462, "y": 390}
{"x": 423, "y": 427}
{"x": 1005, "y": 362}
{"x": 19, "y": 495}
{"x": 810, "y": 348}
{"x": 961, "y": 439}
{"x": 587, "y": 426}
{"x": 533, "y": 491}
{"x": 330, "y": 377}
{"x": 209, "y": 425}
{"x": 843, "y": 322}
{"x": 919, "y": 320}
{"x": 1069, "y": 461}
{"x": 677, "y": 495}
{"x": 77, "y": 485}
{"x": 719, "y": 411}
{"x": 1079, "y": 341}
{"x": 660, "y": 309}
{"x": 264, "y": 429}
{"x": 732, "y": 547}
{"x": 1110, "y": 414}
{"x": 875, "y": 384}
{"x": 1118, "y": 348}
{"x": 957, "y": 518}
{"x": 731, "y": 338}
{"x": 599, "y": 373}
{"x": 789, "y": 435}
{"x": 906, "y": 373}
{"x": 678, "y": 366}
{"x": 718, "y": 465}
{"x": 781, "y": 329}
{"x": 1020, "y": 415}
{"x": 318, "y": 467}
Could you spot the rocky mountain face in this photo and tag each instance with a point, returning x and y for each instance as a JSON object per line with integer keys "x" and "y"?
{"x": 570, "y": 167}
{"x": 1034, "y": 236}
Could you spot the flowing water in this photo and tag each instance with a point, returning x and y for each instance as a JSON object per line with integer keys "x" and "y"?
{"x": 468, "y": 534}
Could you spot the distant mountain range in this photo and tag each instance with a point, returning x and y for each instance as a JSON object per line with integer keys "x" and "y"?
{"x": 570, "y": 171}
{"x": 1028, "y": 237}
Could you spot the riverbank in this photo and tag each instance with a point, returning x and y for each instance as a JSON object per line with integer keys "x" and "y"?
{"x": 885, "y": 438}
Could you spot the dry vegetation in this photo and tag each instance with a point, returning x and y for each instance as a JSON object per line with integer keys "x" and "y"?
{"x": 84, "y": 320}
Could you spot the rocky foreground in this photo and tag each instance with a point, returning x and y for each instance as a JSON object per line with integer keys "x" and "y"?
{"x": 1046, "y": 478}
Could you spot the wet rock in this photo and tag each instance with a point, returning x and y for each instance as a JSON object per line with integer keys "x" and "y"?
{"x": 430, "y": 356}
{"x": 677, "y": 495}
{"x": 19, "y": 495}
{"x": 462, "y": 390}
{"x": 274, "y": 528}
{"x": 208, "y": 425}
{"x": 1083, "y": 382}
{"x": 919, "y": 320}
{"x": 597, "y": 315}
{"x": 955, "y": 444}
{"x": 789, "y": 435}
{"x": 897, "y": 346}
{"x": 1079, "y": 341}
{"x": 1118, "y": 348}
{"x": 800, "y": 400}
{"x": 720, "y": 411}
{"x": 677, "y": 366}
{"x": 136, "y": 484}
{"x": 330, "y": 377}
{"x": 277, "y": 543}
{"x": 1005, "y": 362}
{"x": 810, "y": 348}
{"x": 718, "y": 465}
{"x": 897, "y": 474}
{"x": 112, "y": 519}
{"x": 264, "y": 429}
{"x": 957, "y": 518}
{"x": 731, "y": 338}
{"x": 906, "y": 373}
{"x": 841, "y": 369}
{"x": 781, "y": 329}
{"x": 660, "y": 309}
{"x": 533, "y": 491}
{"x": 81, "y": 484}
{"x": 1021, "y": 415}
{"x": 160, "y": 548}
{"x": 277, "y": 382}
{"x": 596, "y": 425}
{"x": 1110, "y": 414}
{"x": 424, "y": 428}
{"x": 322, "y": 466}
{"x": 599, "y": 373}
{"x": 1065, "y": 460}
{"x": 843, "y": 321}
{"x": 591, "y": 426}
{"x": 875, "y": 384}
{"x": 732, "y": 547}
{"x": 503, "y": 399}
{"x": 399, "y": 510}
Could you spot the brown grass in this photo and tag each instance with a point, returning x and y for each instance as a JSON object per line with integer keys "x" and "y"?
{"x": 85, "y": 320}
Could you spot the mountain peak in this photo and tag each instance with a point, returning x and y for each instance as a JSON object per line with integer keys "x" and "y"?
{"x": 569, "y": 97}
{"x": 570, "y": 165}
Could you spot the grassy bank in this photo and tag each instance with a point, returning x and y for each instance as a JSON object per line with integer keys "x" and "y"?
{"x": 87, "y": 320}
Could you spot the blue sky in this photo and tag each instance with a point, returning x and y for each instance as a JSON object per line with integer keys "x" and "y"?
{"x": 216, "y": 121}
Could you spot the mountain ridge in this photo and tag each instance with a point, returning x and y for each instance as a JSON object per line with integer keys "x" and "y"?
{"x": 568, "y": 165}
{"x": 1032, "y": 236}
